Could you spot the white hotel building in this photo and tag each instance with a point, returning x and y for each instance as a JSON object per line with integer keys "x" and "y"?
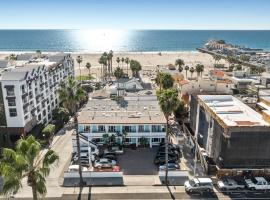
{"x": 29, "y": 92}
{"x": 138, "y": 116}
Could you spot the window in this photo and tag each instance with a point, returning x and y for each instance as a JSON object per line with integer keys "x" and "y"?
{"x": 155, "y": 139}
{"x": 44, "y": 112}
{"x": 128, "y": 140}
{"x": 86, "y": 128}
{"x": 39, "y": 117}
{"x": 127, "y": 128}
{"x": 12, "y": 112}
{"x": 101, "y": 128}
{"x": 23, "y": 89}
{"x": 141, "y": 128}
{"x": 10, "y": 91}
{"x": 11, "y": 102}
{"x": 111, "y": 128}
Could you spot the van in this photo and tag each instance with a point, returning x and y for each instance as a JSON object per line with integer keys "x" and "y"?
{"x": 199, "y": 185}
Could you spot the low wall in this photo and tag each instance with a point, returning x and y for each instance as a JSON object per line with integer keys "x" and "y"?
{"x": 174, "y": 177}
{"x": 93, "y": 179}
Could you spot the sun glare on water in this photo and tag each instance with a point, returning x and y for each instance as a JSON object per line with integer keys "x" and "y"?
{"x": 99, "y": 40}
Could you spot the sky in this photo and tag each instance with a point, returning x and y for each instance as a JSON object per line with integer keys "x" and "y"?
{"x": 135, "y": 14}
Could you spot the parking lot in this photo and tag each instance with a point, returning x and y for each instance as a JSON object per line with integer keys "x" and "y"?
{"x": 138, "y": 162}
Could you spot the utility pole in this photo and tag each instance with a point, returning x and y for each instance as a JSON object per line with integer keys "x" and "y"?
{"x": 196, "y": 138}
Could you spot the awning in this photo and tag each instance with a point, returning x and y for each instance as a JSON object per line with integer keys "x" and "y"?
{"x": 263, "y": 105}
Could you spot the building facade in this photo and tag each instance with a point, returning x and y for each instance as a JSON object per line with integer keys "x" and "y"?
{"x": 136, "y": 117}
{"x": 232, "y": 134}
{"x": 29, "y": 92}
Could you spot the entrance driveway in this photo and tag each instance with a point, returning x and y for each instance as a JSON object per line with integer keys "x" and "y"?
{"x": 138, "y": 162}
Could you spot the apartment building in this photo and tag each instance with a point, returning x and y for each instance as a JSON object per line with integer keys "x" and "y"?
{"x": 137, "y": 115}
{"x": 29, "y": 92}
{"x": 230, "y": 133}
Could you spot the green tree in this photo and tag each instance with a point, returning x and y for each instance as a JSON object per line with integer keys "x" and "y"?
{"x": 135, "y": 67}
{"x": 118, "y": 60}
{"x": 71, "y": 94}
{"x": 168, "y": 101}
{"x": 118, "y": 73}
{"x": 180, "y": 63}
{"x": 122, "y": 60}
{"x": 217, "y": 58}
{"x": 191, "y": 70}
{"x": 199, "y": 69}
{"x": 164, "y": 80}
{"x": 244, "y": 58}
{"x": 232, "y": 60}
{"x": 88, "y": 66}
{"x": 12, "y": 57}
{"x": 127, "y": 61}
{"x": 186, "y": 69}
{"x": 181, "y": 112}
{"x": 60, "y": 115}
{"x": 79, "y": 60}
{"x": 48, "y": 132}
{"x": 22, "y": 162}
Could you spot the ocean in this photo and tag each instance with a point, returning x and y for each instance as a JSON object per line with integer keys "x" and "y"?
{"x": 125, "y": 41}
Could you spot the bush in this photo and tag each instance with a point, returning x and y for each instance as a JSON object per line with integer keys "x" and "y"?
{"x": 87, "y": 88}
{"x": 48, "y": 132}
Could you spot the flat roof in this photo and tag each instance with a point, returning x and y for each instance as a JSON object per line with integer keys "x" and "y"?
{"x": 232, "y": 111}
{"x": 132, "y": 110}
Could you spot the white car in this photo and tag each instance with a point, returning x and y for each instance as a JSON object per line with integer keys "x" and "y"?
{"x": 258, "y": 183}
{"x": 229, "y": 184}
{"x": 199, "y": 185}
{"x": 75, "y": 168}
{"x": 105, "y": 163}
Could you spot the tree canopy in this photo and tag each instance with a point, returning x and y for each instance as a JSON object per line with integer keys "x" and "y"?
{"x": 135, "y": 67}
{"x": 22, "y": 162}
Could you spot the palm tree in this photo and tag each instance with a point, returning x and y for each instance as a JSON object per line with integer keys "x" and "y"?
{"x": 103, "y": 61}
{"x": 122, "y": 60}
{"x": 217, "y": 57}
{"x": 164, "y": 81}
{"x": 168, "y": 101}
{"x": 88, "y": 66}
{"x": 110, "y": 56}
{"x": 186, "y": 69}
{"x": 118, "y": 60}
{"x": 180, "y": 64}
{"x": 135, "y": 67}
{"x": 127, "y": 62}
{"x": 71, "y": 94}
{"x": 79, "y": 61}
{"x": 118, "y": 73}
{"x": 191, "y": 70}
{"x": 199, "y": 69}
{"x": 22, "y": 162}
{"x": 180, "y": 69}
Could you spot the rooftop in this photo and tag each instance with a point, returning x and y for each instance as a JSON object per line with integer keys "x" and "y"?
{"x": 232, "y": 111}
{"x": 132, "y": 110}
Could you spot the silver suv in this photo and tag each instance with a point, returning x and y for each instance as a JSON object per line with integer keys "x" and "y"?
{"x": 199, "y": 185}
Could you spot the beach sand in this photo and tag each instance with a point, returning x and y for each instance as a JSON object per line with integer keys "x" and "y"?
{"x": 149, "y": 61}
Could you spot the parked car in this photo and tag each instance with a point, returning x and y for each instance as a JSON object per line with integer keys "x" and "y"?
{"x": 170, "y": 154}
{"x": 229, "y": 184}
{"x": 170, "y": 150}
{"x": 161, "y": 160}
{"x": 105, "y": 163}
{"x": 171, "y": 167}
{"x": 200, "y": 185}
{"x": 75, "y": 168}
{"x": 257, "y": 183}
{"x": 171, "y": 146}
{"x": 110, "y": 156}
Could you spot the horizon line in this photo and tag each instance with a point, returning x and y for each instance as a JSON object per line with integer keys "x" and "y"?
{"x": 87, "y": 29}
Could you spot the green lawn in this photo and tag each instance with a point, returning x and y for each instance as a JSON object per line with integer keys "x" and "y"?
{"x": 84, "y": 77}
